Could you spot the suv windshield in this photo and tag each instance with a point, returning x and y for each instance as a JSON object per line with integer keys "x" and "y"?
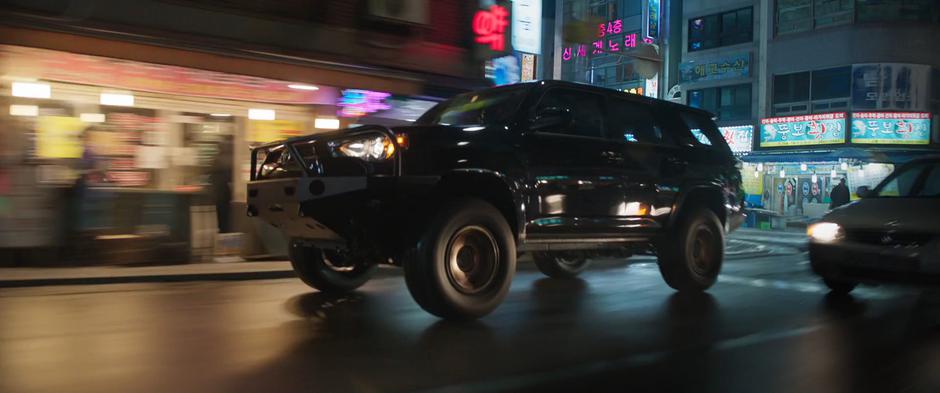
{"x": 488, "y": 107}
{"x": 916, "y": 181}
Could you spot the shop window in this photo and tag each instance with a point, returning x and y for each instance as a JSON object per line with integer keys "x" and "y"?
{"x": 831, "y": 83}
{"x": 898, "y": 10}
{"x": 727, "y": 102}
{"x": 633, "y": 123}
{"x": 727, "y": 28}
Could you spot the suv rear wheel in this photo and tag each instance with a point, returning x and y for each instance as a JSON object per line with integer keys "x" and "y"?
{"x": 464, "y": 261}
{"x": 839, "y": 287}
{"x": 690, "y": 256}
{"x": 560, "y": 264}
{"x": 328, "y": 271}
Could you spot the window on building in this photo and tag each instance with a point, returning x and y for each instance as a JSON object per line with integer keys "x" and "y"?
{"x": 816, "y": 91}
{"x": 831, "y": 83}
{"x": 791, "y": 87}
{"x": 727, "y": 28}
{"x": 794, "y": 16}
{"x": 727, "y": 102}
{"x": 832, "y": 12}
{"x": 898, "y": 10}
{"x": 802, "y": 15}
{"x": 631, "y": 8}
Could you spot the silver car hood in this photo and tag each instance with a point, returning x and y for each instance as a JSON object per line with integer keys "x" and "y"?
{"x": 918, "y": 215}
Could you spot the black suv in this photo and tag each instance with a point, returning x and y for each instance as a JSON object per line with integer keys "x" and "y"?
{"x": 562, "y": 170}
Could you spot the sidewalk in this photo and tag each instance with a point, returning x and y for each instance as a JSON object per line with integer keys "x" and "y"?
{"x": 28, "y": 277}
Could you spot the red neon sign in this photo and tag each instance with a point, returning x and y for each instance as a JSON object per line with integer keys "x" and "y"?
{"x": 490, "y": 25}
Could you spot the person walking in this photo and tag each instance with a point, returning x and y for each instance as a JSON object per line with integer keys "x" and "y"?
{"x": 839, "y": 195}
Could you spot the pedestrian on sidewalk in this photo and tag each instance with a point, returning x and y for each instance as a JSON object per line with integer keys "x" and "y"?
{"x": 839, "y": 195}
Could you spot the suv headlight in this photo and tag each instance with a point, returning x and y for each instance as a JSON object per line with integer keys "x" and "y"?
{"x": 373, "y": 147}
{"x": 825, "y": 232}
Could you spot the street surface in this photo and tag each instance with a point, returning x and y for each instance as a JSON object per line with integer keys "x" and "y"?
{"x": 767, "y": 326}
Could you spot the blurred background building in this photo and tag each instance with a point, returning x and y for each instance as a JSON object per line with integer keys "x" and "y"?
{"x": 126, "y": 124}
{"x": 807, "y": 92}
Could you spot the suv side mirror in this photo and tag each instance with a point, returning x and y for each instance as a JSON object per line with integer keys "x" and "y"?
{"x": 552, "y": 118}
{"x": 862, "y": 191}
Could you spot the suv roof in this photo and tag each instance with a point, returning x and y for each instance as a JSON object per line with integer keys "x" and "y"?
{"x": 634, "y": 97}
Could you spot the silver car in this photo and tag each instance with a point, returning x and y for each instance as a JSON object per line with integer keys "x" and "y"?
{"x": 892, "y": 234}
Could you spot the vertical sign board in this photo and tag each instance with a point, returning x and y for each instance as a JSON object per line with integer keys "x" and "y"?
{"x": 527, "y": 26}
{"x": 804, "y": 130}
{"x": 891, "y": 128}
{"x": 528, "y": 67}
{"x": 491, "y": 26}
{"x": 652, "y": 19}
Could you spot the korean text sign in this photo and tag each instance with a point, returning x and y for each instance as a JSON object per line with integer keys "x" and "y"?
{"x": 821, "y": 129}
{"x": 895, "y": 128}
{"x": 730, "y": 67}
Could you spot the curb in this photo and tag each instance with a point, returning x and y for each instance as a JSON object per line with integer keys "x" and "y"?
{"x": 228, "y": 276}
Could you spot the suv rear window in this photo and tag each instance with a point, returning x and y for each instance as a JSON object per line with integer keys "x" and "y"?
{"x": 702, "y": 132}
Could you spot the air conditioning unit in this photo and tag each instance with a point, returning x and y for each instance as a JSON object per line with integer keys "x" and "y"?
{"x": 400, "y": 11}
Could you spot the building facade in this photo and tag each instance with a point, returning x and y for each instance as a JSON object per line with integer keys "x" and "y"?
{"x": 126, "y": 125}
{"x": 814, "y": 91}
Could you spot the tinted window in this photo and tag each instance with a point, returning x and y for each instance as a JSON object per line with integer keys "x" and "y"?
{"x": 902, "y": 184}
{"x": 931, "y": 186}
{"x": 493, "y": 106}
{"x": 633, "y": 122}
{"x": 702, "y": 131}
{"x": 586, "y": 110}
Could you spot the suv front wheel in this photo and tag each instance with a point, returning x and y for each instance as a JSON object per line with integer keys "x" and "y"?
{"x": 464, "y": 261}
{"x": 690, "y": 256}
{"x": 328, "y": 271}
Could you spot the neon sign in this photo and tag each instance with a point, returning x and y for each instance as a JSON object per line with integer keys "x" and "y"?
{"x": 490, "y": 27}
{"x": 356, "y": 102}
{"x": 610, "y": 40}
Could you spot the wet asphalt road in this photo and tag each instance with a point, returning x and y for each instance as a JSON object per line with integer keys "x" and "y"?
{"x": 767, "y": 326}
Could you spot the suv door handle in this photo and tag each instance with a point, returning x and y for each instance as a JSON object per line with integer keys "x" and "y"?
{"x": 676, "y": 163}
{"x": 612, "y": 156}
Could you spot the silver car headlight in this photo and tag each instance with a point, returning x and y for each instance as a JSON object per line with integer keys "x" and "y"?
{"x": 371, "y": 147}
{"x": 825, "y": 232}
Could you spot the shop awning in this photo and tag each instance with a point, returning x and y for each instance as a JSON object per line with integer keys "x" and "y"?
{"x": 848, "y": 153}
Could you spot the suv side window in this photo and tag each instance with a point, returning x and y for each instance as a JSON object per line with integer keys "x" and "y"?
{"x": 702, "y": 132}
{"x": 586, "y": 110}
{"x": 633, "y": 122}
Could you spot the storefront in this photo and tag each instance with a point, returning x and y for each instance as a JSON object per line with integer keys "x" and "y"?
{"x": 121, "y": 161}
{"x": 801, "y": 158}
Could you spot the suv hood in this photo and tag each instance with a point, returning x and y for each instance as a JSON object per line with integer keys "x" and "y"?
{"x": 920, "y": 215}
